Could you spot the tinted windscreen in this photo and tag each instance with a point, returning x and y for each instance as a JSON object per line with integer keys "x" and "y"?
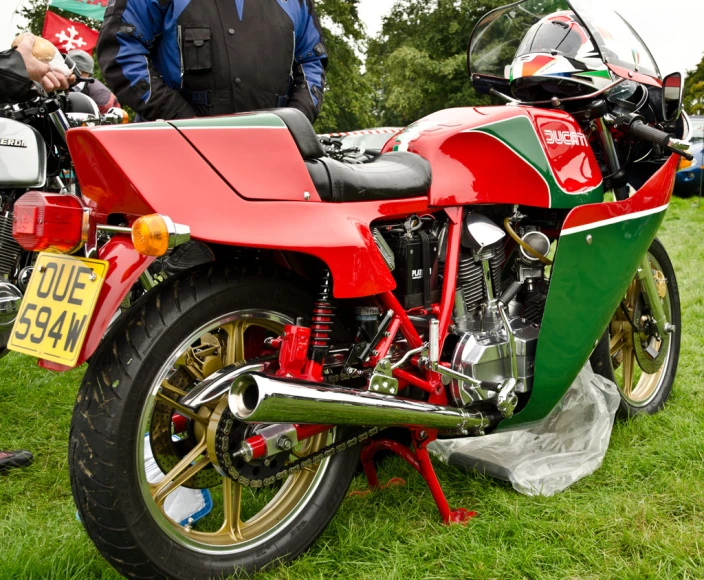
{"x": 618, "y": 43}
{"x": 498, "y": 36}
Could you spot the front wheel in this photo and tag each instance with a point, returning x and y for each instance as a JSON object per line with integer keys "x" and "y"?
{"x": 642, "y": 364}
{"x": 128, "y": 407}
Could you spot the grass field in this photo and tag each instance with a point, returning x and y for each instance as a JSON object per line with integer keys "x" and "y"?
{"x": 640, "y": 516}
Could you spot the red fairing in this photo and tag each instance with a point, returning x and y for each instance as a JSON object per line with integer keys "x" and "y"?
{"x": 571, "y": 158}
{"x": 477, "y": 158}
{"x": 125, "y": 267}
{"x": 652, "y": 196}
{"x": 257, "y": 163}
{"x": 139, "y": 171}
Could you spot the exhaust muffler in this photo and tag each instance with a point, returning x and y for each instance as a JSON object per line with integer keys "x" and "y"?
{"x": 256, "y": 398}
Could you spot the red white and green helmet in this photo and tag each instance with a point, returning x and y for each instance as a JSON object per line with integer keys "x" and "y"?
{"x": 557, "y": 58}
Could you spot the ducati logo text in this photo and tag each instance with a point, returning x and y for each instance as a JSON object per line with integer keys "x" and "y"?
{"x": 564, "y": 138}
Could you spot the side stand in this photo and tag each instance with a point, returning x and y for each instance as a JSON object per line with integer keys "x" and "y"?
{"x": 420, "y": 461}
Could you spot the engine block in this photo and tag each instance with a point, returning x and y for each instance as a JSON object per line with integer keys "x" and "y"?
{"x": 486, "y": 356}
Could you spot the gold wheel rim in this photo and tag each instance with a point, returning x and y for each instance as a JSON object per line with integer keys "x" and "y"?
{"x": 636, "y": 386}
{"x": 278, "y": 503}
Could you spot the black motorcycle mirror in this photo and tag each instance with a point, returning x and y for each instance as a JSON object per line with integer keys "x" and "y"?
{"x": 672, "y": 91}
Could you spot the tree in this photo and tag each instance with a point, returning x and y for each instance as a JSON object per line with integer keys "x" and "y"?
{"x": 347, "y": 102}
{"x": 418, "y": 63}
{"x": 694, "y": 90}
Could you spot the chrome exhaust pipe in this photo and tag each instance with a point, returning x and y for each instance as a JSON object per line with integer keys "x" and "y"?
{"x": 256, "y": 398}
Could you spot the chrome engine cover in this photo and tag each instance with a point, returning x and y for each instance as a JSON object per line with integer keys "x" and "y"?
{"x": 485, "y": 356}
{"x": 22, "y": 156}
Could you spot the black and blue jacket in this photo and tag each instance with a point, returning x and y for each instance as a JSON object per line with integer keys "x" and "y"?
{"x": 171, "y": 59}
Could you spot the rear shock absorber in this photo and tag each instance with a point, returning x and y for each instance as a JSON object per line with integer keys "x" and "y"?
{"x": 322, "y": 320}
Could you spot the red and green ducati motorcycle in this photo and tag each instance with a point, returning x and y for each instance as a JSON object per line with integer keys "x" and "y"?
{"x": 453, "y": 286}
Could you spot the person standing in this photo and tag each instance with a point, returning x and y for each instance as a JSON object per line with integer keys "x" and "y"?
{"x": 175, "y": 59}
{"x": 96, "y": 90}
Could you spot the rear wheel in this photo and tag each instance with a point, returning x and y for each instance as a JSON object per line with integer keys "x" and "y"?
{"x": 185, "y": 329}
{"x": 643, "y": 365}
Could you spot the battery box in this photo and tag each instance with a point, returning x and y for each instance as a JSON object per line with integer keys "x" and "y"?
{"x": 414, "y": 278}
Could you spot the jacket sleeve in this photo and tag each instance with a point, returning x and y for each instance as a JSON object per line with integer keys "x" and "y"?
{"x": 124, "y": 54}
{"x": 102, "y": 96}
{"x": 310, "y": 61}
{"x": 15, "y": 85}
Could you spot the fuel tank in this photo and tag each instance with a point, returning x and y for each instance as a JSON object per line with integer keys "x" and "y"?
{"x": 22, "y": 156}
{"x": 512, "y": 155}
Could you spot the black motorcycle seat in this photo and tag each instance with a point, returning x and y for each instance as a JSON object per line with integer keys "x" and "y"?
{"x": 390, "y": 176}
{"x": 302, "y": 132}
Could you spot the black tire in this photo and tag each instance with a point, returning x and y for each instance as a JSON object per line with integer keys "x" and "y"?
{"x": 105, "y": 429}
{"x": 604, "y": 364}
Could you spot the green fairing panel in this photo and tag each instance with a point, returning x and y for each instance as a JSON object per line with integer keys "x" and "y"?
{"x": 587, "y": 283}
{"x": 519, "y": 134}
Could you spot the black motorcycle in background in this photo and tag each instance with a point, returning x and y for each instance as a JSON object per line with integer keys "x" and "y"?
{"x": 33, "y": 155}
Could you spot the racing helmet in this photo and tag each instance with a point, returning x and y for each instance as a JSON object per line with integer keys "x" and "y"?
{"x": 557, "y": 58}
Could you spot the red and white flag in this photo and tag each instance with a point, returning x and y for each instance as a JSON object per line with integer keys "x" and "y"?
{"x": 66, "y": 34}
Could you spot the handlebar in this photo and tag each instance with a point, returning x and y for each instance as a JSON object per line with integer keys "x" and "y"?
{"x": 639, "y": 130}
{"x": 644, "y": 132}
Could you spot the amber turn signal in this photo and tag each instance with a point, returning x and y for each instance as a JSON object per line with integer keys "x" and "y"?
{"x": 150, "y": 235}
{"x": 684, "y": 163}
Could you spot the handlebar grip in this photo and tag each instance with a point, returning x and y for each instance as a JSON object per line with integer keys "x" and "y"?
{"x": 644, "y": 132}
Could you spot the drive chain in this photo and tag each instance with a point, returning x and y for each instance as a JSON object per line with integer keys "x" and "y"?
{"x": 222, "y": 449}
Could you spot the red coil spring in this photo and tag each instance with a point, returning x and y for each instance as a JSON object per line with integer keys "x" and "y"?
{"x": 323, "y": 314}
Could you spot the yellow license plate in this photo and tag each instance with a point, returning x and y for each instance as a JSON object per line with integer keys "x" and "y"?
{"x": 56, "y": 309}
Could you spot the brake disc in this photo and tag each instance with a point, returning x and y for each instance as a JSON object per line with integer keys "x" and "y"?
{"x": 168, "y": 451}
{"x": 650, "y": 352}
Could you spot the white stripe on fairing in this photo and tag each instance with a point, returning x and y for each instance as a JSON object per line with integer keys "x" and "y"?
{"x": 609, "y": 221}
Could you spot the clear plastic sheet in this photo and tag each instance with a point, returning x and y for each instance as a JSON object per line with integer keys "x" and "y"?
{"x": 546, "y": 457}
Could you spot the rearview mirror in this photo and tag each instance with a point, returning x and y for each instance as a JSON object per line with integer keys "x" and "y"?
{"x": 672, "y": 90}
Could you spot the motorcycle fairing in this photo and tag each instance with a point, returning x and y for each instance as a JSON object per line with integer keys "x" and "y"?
{"x": 153, "y": 168}
{"x": 512, "y": 155}
{"x": 254, "y": 153}
{"x": 598, "y": 253}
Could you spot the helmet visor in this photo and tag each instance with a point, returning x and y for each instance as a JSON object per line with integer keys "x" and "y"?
{"x": 559, "y": 34}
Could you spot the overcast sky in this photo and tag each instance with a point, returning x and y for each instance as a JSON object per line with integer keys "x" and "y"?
{"x": 673, "y": 30}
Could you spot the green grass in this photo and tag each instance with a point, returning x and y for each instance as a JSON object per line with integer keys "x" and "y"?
{"x": 639, "y": 516}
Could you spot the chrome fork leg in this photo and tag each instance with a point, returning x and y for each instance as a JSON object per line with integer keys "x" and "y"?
{"x": 650, "y": 292}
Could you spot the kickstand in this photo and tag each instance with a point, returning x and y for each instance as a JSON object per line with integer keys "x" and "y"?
{"x": 420, "y": 461}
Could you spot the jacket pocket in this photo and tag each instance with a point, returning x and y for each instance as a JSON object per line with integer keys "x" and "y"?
{"x": 196, "y": 49}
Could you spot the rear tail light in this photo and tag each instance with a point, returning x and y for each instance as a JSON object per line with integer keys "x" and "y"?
{"x": 50, "y": 222}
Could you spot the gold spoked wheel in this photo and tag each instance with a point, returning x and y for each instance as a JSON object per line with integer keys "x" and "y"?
{"x": 240, "y": 515}
{"x": 640, "y": 359}
{"x": 136, "y": 452}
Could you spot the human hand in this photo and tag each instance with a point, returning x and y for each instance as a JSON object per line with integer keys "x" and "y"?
{"x": 40, "y": 71}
